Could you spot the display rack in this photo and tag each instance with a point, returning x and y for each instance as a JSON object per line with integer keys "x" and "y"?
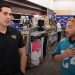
{"x": 30, "y": 34}
{"x": 52, "y": 37}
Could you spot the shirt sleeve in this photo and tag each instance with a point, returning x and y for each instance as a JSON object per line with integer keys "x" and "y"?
{"x": 21, "y": 42}
{"x": 57, "y": 50}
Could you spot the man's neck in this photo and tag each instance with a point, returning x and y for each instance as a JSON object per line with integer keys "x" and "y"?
{"x": 3, "y": 29}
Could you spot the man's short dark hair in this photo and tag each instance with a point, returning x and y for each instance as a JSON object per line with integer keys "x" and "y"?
{"x": 4, "y": 5}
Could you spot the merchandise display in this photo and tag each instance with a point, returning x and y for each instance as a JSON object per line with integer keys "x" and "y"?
{"x": 36, "y": 23}
{"x": 44, "y": 26}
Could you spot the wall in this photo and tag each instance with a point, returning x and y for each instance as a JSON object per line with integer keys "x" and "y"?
{"x": 64, "y": 12}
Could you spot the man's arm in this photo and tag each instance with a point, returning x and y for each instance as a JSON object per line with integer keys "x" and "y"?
{"x": 59, "y": 57}
{"x": 23, "y": 59}
{"x": 68, "y": 53}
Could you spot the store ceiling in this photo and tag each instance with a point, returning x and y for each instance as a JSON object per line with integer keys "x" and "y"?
{"x": 56, "y": 4}
{"x": 64, "y": 5}
{"x": 63, "y": 0}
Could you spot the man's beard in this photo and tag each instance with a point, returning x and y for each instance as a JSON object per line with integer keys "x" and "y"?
{"x": 70, "y": 36}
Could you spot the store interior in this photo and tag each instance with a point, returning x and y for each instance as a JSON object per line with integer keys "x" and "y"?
{"x": 36, "y": 20}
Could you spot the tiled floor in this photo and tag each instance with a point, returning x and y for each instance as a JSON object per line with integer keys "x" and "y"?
{"x": 47, "y": 67}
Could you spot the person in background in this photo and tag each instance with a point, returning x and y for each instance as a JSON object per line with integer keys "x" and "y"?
{"x": 65, "y": 51}
{"x": 12, "y": 50}
{"x": 58, "y": 30}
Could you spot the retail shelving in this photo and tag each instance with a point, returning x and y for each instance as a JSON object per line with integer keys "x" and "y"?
{"x": 16, "y": 17}
{"x": 32, "y": 36}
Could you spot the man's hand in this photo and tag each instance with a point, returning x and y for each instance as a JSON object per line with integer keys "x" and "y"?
{"x": 68, "y": 53}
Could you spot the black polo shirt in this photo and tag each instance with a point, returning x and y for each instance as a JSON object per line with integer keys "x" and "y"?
{"x": 9, "y": 55}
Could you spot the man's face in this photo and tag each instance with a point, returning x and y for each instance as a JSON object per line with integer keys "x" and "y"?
{"x": 5, "y": 16}
{"x": 70, "y": 29}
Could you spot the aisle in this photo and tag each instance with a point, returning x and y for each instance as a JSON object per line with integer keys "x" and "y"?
{"x": 48, "y": 66}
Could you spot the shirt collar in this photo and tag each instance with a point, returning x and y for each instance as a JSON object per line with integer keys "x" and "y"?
{"x": 7, "y": 31}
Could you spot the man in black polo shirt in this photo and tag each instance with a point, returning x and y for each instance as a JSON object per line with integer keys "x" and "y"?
{"x": 12, "y": 51}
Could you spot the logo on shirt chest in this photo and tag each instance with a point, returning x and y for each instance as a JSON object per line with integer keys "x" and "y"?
{"x": 13, "y": 36}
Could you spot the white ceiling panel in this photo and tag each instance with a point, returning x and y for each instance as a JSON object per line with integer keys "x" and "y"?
{"x": 44, "y": 3}
{"x": 64, "y": 5}
{"x": 56, "y": 4}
